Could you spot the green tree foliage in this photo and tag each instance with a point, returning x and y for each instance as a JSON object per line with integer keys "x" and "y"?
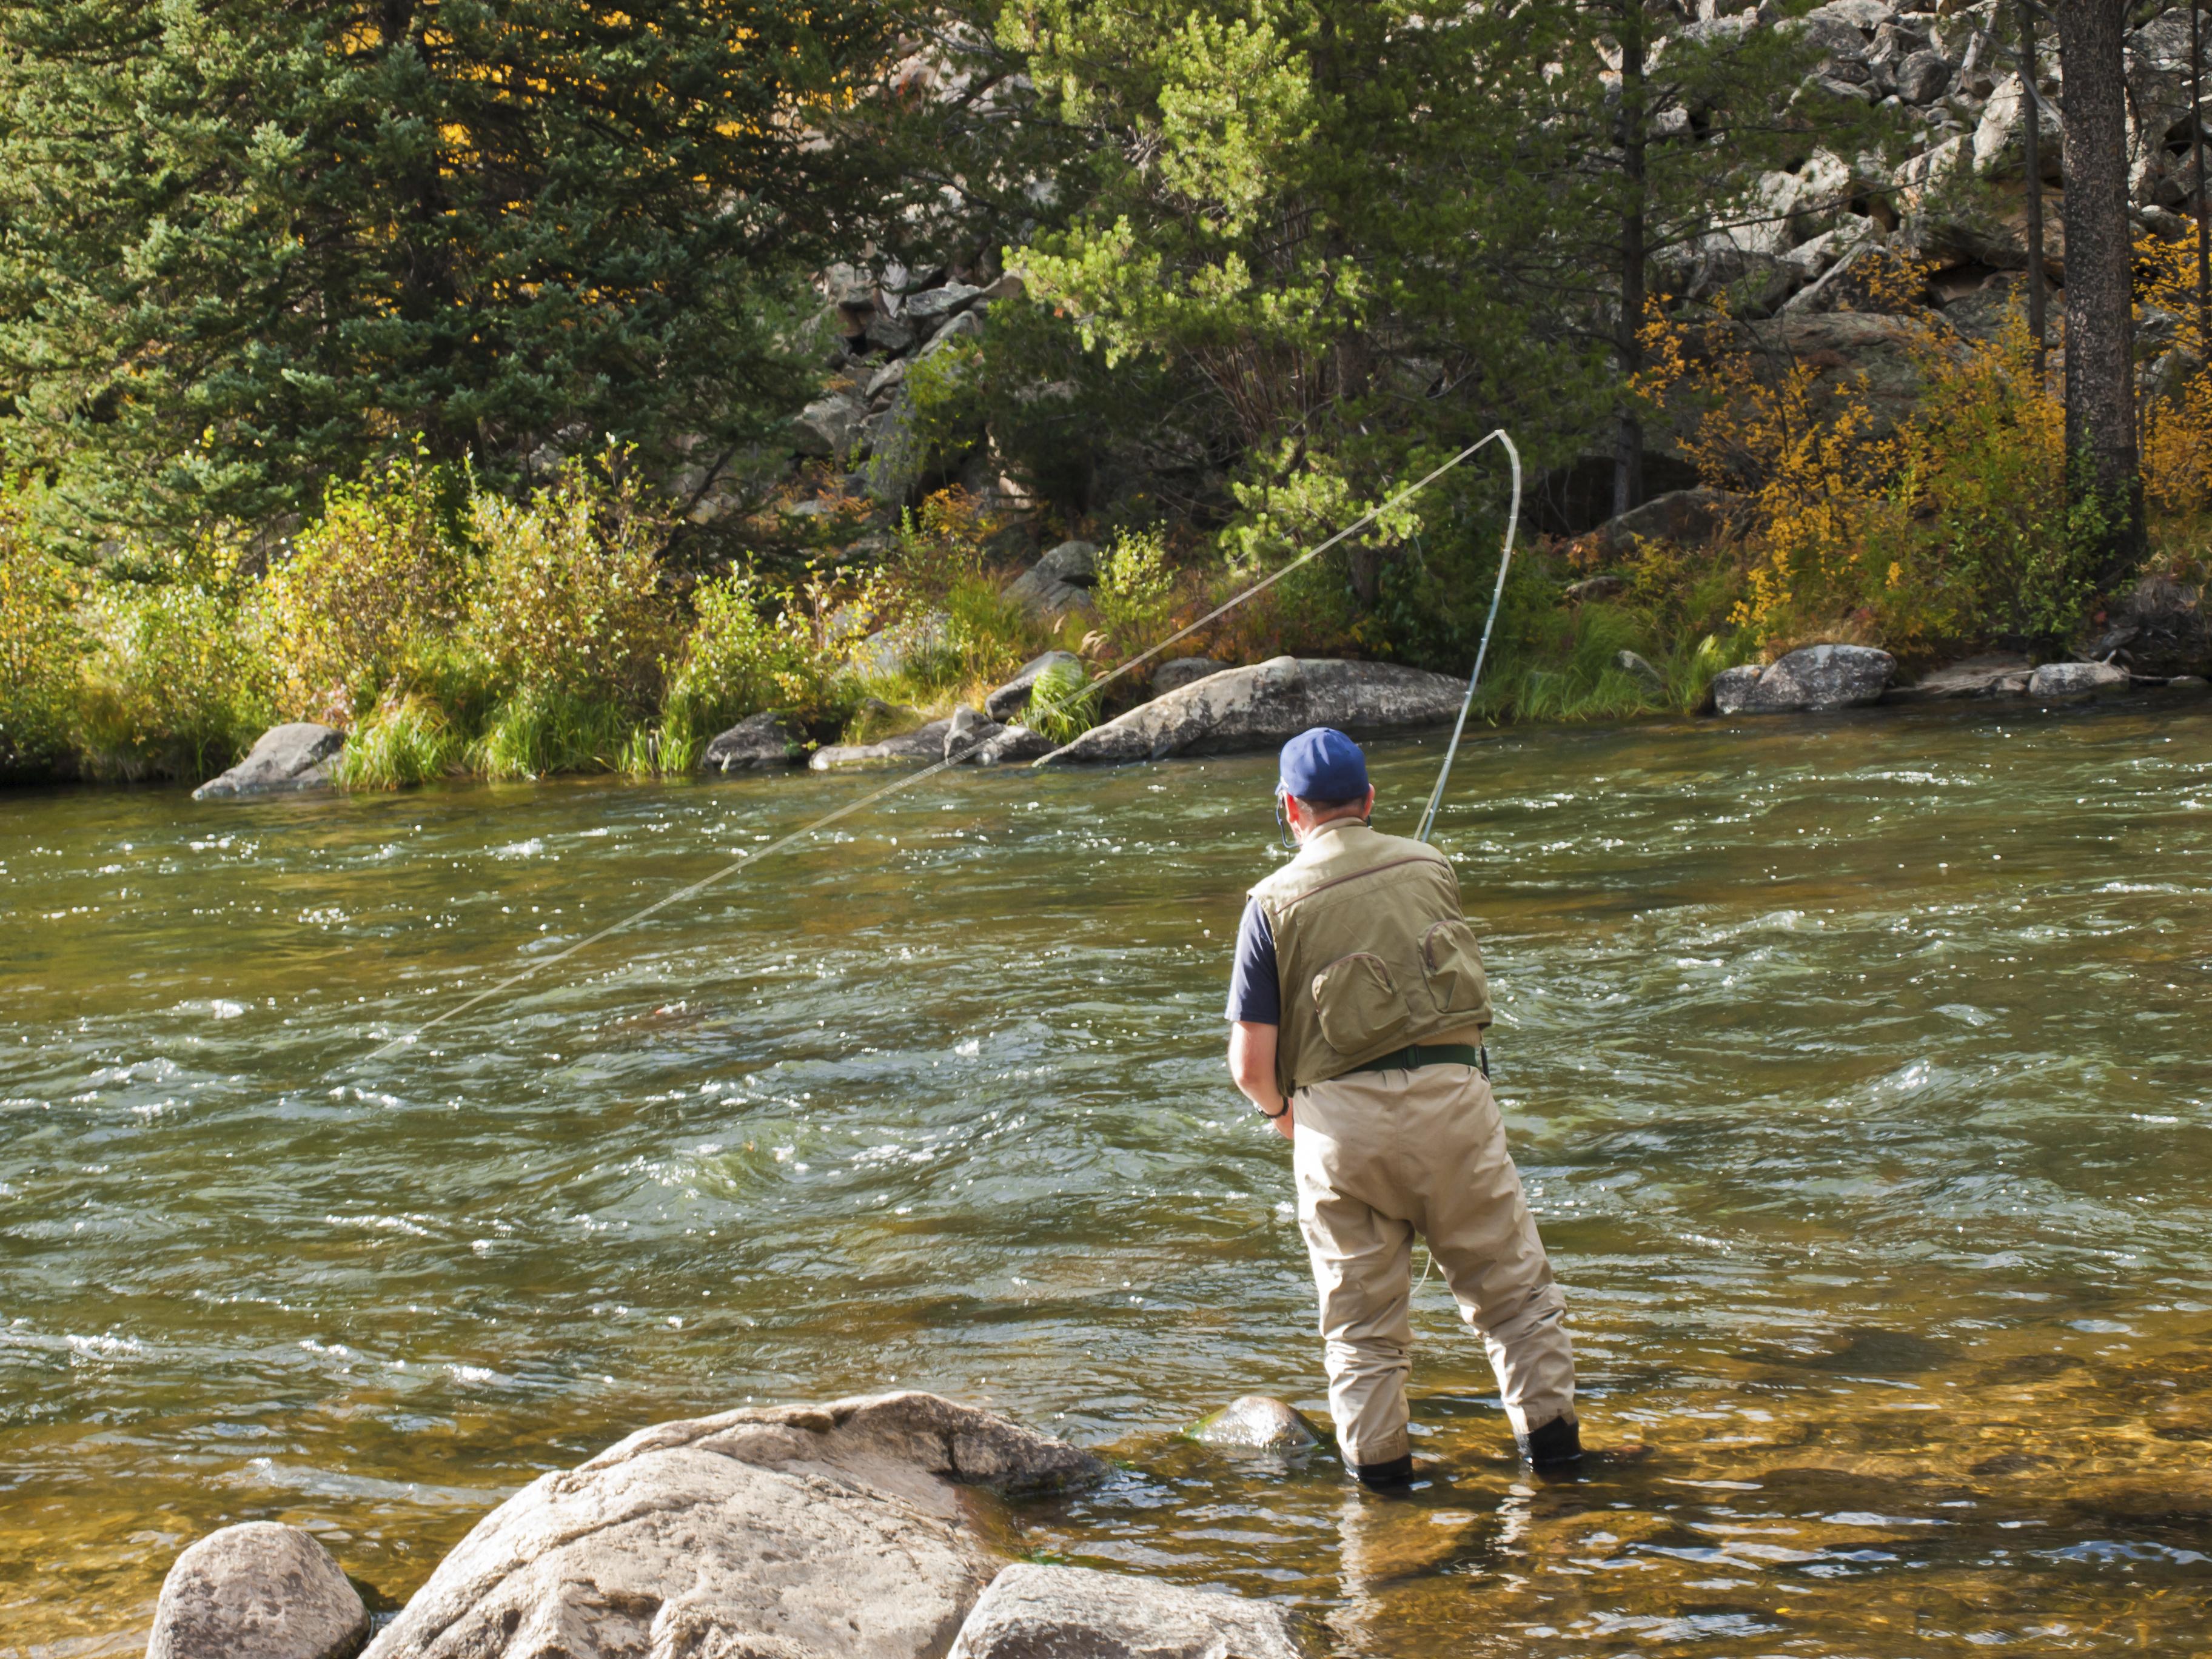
{"x": 243, "y": 246}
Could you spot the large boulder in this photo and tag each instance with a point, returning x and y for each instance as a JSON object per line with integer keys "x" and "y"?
{"x": 966, "y": 732}
{"x": 923, "y": 745}
{"x": 1059, "y": 582}
{"x": 2160, "y": 628}
{"x": 1174, "y": 675}
{"x": 1010, "y": 699}
{"x": 1012, "y": 745}
{"x": 1686, "y": 517}
{"x": 770, "y": 739}
{"x": 1809, "y": 679}
{"x": 2060, "y": 681}
{"x": 784, "y": 1532}
{"x": 1260, "y": 706}
{"x": 1072, "y": 1612}
{"x": 284, "y": 758}
{"x": 258, "y": 1591}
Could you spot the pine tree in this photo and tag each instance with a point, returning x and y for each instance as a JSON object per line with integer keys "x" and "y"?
{"x": 242, "y": 247}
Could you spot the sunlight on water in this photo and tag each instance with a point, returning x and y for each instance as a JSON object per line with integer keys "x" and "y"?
{"x": 1856, "y": 1068}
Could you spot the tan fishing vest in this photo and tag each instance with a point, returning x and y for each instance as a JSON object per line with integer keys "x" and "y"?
{"x": 1371, "y": 953}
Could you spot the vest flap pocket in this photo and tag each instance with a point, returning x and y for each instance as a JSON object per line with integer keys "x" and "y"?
{"x": 1452, "y": 961}
{"x": 1358, "y": 1004}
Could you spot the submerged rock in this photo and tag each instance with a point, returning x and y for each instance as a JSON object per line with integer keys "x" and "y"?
{"x": 767, "y": 739}
{"x": 1811, "y": 678}
{"x": 782, "y": 1531}
{"x": 2076, "y": 679}
{"x": 1010, "y": 699}
{"x": 1256, "y": 1422}
{"x": 258, "y": 1591}
{"x": 1072, "y": 1612}
{"x": 1259, "y": 706}
{"x": 284, "y": 758}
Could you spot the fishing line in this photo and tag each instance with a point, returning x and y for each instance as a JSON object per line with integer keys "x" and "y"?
{"x": 908, "y": 779}
{"x": 1504, "y": 558}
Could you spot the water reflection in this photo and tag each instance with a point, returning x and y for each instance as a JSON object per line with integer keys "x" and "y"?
{"x": 1856, "y": 1069}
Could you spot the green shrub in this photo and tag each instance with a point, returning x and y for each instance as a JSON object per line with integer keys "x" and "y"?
{"x": 1135, "y": 591}
{"x": 739, "y": 659}
{"x": 40, "y": 649}
{"x": 370, "y": 586}
{"x": 1062, "y": 705}
{"x": 570, "y": 601}
{"x": 178, "y": 682}
{"x": 540, "y": 730}
{"x": 402, "y": 741}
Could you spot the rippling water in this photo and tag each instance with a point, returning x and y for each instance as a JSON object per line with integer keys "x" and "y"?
{"x": 1858, "y": 1071}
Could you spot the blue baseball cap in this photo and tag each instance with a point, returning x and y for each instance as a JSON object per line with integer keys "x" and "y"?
{"x": 1323, "y": 765}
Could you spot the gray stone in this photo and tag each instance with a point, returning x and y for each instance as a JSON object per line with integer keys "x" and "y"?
{"x": 1043, "y": 591}
{"x": 968, "y": 732}
{"x": 1639, "y": 667}
{"x": 1260, "y": 706}
{"x": 1687, "y": 517}
{"x": 1010, "y": 699}
{"x": 827, "y": 426}
{"x": 2057, "y": 680}
{"x": 923, "y": 745}
{"x": 1072, "y": 1612}
{"x": 1256, "y": 1422}
{"x": 933, "y": 305}
{"x": 1014, "y": 744}
{"x": 966, "y": 326}
{"x": 1976, "y": 677}
{"x": 1073, "y": 562}
{"x": 1811, "y": 678}
{"x": 784, "y": 1532}
{"x": 296, "y": 756}
{"x": 1923, "y": 77}
{"x": 770, "y": 739}
{"x": 1174, "y": 675}
{"x": 2001, "y": 139}
{"x": 257, "y": 1591}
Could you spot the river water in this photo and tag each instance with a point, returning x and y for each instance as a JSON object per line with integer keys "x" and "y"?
{"x": 1857, "y": 1069}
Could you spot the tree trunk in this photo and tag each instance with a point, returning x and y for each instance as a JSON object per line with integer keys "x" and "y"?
{"x": 1628, "y": 445}
{"x": 2104, "y": 471}
{"x": 2032, "y": 134}
{"x": 2197, "y": 158}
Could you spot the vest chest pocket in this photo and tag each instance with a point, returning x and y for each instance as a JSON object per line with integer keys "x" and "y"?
{"x": 1452, "y": 961}
{"x": 1359, "y": 1004}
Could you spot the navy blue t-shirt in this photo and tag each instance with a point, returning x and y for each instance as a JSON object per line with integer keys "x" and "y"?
{"x": 1255, "y": 992}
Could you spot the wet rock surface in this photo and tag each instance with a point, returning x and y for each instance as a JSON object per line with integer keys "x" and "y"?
{"x": 284, "y": 758}
{"x": 788, "y": 1532}
{"x": 770, "y": 740}
{"x": 923, "y": 745}
{"x": 2058, "y": 680}
{"x": 1072, "y": 1612}
{"x": 258, "y": 1591}
{"x": 1809, "y": 679}
{"x": 1269, "y": 703}
{"x": 1256, "y": 1422}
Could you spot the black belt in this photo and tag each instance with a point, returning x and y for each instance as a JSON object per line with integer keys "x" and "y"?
{"x": 1415, "y": 1056}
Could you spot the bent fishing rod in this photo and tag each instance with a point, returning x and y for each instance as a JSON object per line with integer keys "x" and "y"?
{"x": 1085, "y": 693}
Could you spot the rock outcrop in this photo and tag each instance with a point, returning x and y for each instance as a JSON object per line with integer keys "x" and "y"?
{"x": 1179, "y": 671}
{"x": 790, "y": 1532}
{"x": 769, "y": 739}
{"x": 1059, "y": 582}
{"x": 1682, "y": 516}
{"x": 1261, "y": 706}
{"x": 2064, "y": 681}
{"x": 297, "y": 756}
{"x": 1807, "y": 680}
{"x": 1072, "y": 1612}
{"x": 258, "y": 1591}
{"x": 1256, "y": 1422}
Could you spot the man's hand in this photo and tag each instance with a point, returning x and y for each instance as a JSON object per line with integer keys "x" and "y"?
{"x": 1252, "y": 1066}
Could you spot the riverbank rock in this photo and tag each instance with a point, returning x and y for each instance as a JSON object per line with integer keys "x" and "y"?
{"x": 2160, "y": 627}
{"x": 284, "y": 758}
{"x": 1014, "y": 744}
{"x": 1174, "y": 675}
{"x": 767, "y": 739}
{"x": 967, "y": 733}
{"x": 921, "y": 746}
{"x": 1995, "y": 676}
{"x": 258, "y": 1591}
{"x": 2066, "y": 680}
{"x": 1259, "y": 706}
{"x": 1059, "y": 582}
{"x": 1010, "y": 699}
{"x": 783, "y": 1532}
{"x": 1256, "y": 1422}
{"x": 1811, "y": 678}
{"x": 1072, "y": 1612}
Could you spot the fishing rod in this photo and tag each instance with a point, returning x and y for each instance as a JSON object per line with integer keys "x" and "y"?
{"x": 909, "y": 780}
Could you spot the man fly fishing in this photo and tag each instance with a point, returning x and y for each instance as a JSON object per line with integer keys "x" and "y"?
{"x": 1356, "y": 1010}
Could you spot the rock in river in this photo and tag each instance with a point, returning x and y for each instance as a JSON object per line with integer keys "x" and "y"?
{"x": 258, "y": 1591}
{"x": 294, "y": 757}
{"x": 2076, "y": 679}
{"x": 923, "y": 745}
{"x": 1260, "y": 706}
{"x": 767, "y": 739}
{"x": 1256, "y": 1422}
{"x": 1174, "y": 675}
{"x": 1072, "y": 1612}
{"x": 782, "y": 1531}
{"x": 1810, "y": 678}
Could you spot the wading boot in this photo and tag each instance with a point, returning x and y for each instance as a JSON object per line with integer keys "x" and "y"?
{"x": 1556, "y": 1445}
{"x": 1394, "y": 1476}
